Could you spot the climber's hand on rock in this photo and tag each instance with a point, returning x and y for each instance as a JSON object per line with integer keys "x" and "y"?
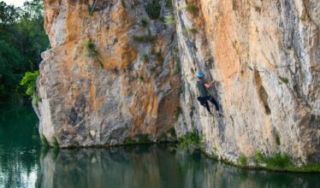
{"x": 209, "y": 85}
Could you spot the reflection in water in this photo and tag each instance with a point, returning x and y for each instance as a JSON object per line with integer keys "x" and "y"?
{"x": 19, "y": 147}
{"x": 24, "y": 164}
{"x": 153, "y": 166}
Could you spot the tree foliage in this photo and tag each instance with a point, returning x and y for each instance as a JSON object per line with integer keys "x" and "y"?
{"x": 22, "y": 39}
{"x": 29, "y": 82}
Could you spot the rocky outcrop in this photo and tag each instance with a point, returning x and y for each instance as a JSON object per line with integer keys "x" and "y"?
{"x": 108, "y": 78}
{"x": 122, "y": 71}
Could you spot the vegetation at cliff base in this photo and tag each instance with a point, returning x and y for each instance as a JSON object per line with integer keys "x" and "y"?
{"x": 22, "y": 39}
{"x": 243, "y": 160}
{"x": 276, "y": 162}
{"x": 190, "y": 141}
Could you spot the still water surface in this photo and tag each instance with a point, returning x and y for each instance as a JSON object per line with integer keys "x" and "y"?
{"x": 23, "y": 163}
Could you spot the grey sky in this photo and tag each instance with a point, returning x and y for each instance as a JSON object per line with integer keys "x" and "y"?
{"x": 14, "y": 2}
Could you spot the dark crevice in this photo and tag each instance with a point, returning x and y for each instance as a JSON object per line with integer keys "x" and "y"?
{"x": 262, "y": 92}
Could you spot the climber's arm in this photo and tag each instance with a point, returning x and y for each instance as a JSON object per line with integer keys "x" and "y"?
{"x": 209, "y": 85}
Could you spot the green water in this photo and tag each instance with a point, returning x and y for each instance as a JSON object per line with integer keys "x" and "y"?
{"x": 24, "y": 164}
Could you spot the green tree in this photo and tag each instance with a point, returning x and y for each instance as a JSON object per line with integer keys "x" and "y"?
{"x": 10, "y": 62}
{"x": 22, "y": 39}
{"x": 8, "y": 13}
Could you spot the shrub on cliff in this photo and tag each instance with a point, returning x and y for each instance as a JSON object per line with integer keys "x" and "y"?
{"x": 170, "y": 19}
{"x": 190, "y": 31}
{"x": 153, "y": 9}
{"x": 192, "y": 9}
{"x": 92, "y": 52}
{"x": 91, "y": 49}
{"x": 29, "y": 82}
{"x": 144, "y": 22}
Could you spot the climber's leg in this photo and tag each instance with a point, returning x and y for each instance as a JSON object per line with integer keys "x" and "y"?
{"x": 214, "y": 102}
{"x": 204, "y": 102}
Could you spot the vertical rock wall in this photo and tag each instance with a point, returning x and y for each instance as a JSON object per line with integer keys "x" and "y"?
{"x": 265, "y": 59}
{"x": 112, "y": 74}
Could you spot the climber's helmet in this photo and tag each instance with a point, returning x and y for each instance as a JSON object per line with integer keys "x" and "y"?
{"x": 200, "y": 75}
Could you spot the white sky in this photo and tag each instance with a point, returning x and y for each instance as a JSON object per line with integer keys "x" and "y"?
{"x": 14, "y": 2}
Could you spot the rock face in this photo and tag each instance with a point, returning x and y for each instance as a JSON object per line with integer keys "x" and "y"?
{"x": 265, "y": 58}
{"x": 121, "y": 71}
{"x": 109, "y": 77}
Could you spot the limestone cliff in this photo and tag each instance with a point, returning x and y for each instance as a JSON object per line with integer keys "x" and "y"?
{"x": 109, "y": 77}
{"x": 121, "y": 71}
{"x": 265, "y": 58}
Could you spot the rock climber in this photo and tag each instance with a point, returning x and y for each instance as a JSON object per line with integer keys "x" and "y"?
{"x": 204, "y": 97}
